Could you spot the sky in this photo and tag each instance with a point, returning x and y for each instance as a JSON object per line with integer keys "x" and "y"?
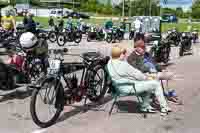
{"x": 185, "y": 4}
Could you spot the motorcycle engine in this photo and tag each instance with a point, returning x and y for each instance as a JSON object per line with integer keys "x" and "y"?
{"x": 74, "y": 94}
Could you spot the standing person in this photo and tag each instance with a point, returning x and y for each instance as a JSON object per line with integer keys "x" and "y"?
{"x": 69, "y": 23}
{"x": 51, "y": 23}
{"x": 8, "y": 22}
{"x": 109, "y": 24}
{"x": 31, "y": 25}
{"x": 138, "y": 29}
{"x": 25, "y": 20}
{"x": 60, "y": 24}
{"x": 138, "y": 25}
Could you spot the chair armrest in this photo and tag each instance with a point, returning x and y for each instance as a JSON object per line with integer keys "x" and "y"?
{"x": 123, "y": 84}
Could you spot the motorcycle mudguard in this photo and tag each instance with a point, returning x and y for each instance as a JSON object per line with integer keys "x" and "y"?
{"x": 60, "y": 101}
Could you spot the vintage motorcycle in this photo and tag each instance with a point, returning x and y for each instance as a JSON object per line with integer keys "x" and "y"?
{"x": 95, "y": 34}
{"x": 160, "y": 51}
{"x": 195, "y": 36}
{"x": 69, "y": 35}
{"x": 186, "y": 43}
{"x": 174, "y": 36}
{"x": 115, "y": 34}
{"x": 61, "y": 90}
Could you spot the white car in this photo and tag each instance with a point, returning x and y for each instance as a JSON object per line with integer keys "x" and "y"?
{"x": 56, "y": 13}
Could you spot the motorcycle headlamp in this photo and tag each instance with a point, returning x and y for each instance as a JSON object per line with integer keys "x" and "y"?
{"x": 164, "y": 36}
{"x": 169, "y": 32}
{"x": 155, "y": 43}
{"x": 183, "y": 34}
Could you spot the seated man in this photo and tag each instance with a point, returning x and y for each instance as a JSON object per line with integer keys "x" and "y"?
{"x": 121, "y": 72}
{"x": 143, "y": 61}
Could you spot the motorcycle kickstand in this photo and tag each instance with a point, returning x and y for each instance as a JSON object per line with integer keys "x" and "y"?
{"x": 85, "y": 104}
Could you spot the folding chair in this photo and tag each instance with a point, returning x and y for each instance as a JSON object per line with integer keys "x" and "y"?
{"x": 115, "y": 92}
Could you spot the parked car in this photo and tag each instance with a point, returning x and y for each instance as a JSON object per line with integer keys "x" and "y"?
{"x": 169, "y": 18}
{"x": 78, "y": 15}
{"x": 56, "y": 13}
{"x": 23, "y": 12}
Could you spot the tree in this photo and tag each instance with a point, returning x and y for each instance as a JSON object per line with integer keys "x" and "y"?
{"x": 35, "y": 2}
{"x": 196, "y": 9}
{"x": 3, "y": 3}
{"x": 179, "y": 12}
{"x": 13, "y": 2}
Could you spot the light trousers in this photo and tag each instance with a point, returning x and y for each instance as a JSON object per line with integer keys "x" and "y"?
{"x": 148, "y": 87}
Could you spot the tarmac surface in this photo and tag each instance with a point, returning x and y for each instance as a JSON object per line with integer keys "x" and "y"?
{"x": 15, "y": 112}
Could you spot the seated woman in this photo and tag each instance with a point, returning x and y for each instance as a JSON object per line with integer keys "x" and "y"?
{"x": 121, "y": 72}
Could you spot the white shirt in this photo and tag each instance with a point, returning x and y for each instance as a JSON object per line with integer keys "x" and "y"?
{"x": 137, "y": 24}
{"x": 120, "y": 72}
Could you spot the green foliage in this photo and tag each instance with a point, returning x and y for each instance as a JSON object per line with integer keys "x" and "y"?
{"x": 3, "y": 3}
{"x": 178, "y": 12}
{"x": 139, "y": 8}
{"x": 35, "y": 3}
{"x": 196, "y": 9}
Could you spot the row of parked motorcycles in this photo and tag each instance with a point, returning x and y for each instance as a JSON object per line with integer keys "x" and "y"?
{"x": 93, "y": 33}
{"x": 162, "y": 47}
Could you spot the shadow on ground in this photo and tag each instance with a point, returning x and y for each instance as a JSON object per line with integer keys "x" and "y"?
{"x": 125, "y": 106}
{"x": 84, "y": 109}
{"x": 16, "y": 95}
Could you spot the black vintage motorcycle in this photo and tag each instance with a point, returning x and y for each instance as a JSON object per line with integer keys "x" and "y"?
{"x": 69, "y": 35}
{"x": 52, "y": 35}
{"x": 160, "y": 51}
{"x": 195, "y": 36}
{"x": 58, "y": 90}
{"x": 175, "y": 37}
{"x": 95, "y": 34}
{"x": 186, "y": 43}
{"x": 115, "y": 34}
{"x": 26, "y": 69}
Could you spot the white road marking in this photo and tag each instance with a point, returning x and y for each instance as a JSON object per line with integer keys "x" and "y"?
{"x": 40, "y": 131}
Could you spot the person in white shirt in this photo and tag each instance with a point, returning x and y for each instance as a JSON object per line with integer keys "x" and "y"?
{"x": 121, "y": 72}
{"x": 138, "y": 25}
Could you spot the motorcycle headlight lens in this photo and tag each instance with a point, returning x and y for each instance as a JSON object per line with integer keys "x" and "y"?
{"x": 155, "y": 42}
{"x": 183, "y": 34}
{"x": 164, "y": 36}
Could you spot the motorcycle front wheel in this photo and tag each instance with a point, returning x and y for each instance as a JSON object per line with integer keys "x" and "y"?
{"x": 50, "y": 93}
{"x": 109, "y": 39}
{"x": 52, "y": 36}
{"x": 78, "y": 37}
{"x": 61, "y": 40}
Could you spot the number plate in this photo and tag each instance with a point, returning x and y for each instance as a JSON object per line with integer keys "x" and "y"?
{"x": 54, "y": 64}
